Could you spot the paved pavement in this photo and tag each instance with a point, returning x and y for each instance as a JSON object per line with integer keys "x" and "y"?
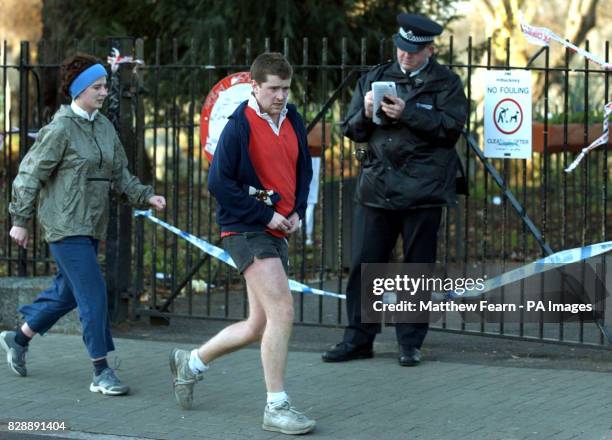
{"x": 468, "y": 388}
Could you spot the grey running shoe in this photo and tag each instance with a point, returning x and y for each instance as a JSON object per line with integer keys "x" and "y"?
{"x": 108, "y": 384}
{"x": 15, "y": 353}
{"x": 183, "y": 378}
{"x": 287, "y": 420}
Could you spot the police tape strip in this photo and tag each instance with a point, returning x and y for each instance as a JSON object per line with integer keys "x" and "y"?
{"x": 542, "y": 36}
{"x": 222, "y": 255}
{"x": 116, "y": 59}
{"x": 601, "y": 140}
{"x": 545, "y": 264}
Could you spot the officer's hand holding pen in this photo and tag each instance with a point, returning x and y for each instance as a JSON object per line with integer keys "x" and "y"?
{"x": 392, "y": 106}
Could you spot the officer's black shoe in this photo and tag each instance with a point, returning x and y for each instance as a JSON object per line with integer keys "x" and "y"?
{"x": 409, "y": 356}
{"x": 345, "y": 351}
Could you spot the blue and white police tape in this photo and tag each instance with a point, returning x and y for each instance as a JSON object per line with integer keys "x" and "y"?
{"x": 222, "y": 255}
{"x": 542, "y": 265}
{"x": 545, "y": 264}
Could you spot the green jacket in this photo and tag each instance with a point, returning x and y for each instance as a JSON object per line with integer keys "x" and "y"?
{"x": 71, "y": 167}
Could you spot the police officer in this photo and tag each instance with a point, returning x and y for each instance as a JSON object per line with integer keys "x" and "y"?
{"x": 407, "y": 173}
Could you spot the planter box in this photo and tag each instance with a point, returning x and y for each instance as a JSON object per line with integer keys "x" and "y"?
{"x": 316, "y": 140}
{"x": 575, "y": 137}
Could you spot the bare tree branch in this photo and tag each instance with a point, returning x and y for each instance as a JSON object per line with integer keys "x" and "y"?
{"x": 580, "y": 20}
{"x": 489, "y": 7}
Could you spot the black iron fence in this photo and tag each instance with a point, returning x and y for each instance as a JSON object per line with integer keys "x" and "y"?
{"x": 159, "y": 114}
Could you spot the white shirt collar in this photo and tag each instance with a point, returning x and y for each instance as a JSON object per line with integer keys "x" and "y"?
{"x": 283, "y": 114}
{"x": 417, "y": 71}
{"x": 82, "y": 113}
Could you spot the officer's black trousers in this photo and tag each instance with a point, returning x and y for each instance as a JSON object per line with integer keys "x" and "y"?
{"x": 375, "y": 233}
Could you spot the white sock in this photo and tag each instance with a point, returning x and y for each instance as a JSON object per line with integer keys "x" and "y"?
{"x": 195, "y": 363}
{"x": 277, "y": 399}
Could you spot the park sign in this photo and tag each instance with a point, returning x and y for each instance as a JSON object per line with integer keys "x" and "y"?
{"x": 219, "y": 105}
{"x": 507, "y": 114}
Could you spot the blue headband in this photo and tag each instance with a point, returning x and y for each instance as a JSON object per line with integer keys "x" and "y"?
{"x": 86, "y": 78}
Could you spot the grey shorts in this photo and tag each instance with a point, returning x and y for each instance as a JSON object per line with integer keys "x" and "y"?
{"x": 246, "y": 246}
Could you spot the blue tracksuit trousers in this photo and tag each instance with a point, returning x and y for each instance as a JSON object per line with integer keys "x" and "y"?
{"x": 78, "y": 284}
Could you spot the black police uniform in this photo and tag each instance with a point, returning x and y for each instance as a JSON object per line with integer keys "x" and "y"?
{"x": 407, "y": 175}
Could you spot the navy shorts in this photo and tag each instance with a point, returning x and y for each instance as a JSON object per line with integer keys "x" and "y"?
{"x": 244, "y": 247}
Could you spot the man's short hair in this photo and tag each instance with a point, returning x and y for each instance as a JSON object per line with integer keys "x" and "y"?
{"x": 270, "y": 63}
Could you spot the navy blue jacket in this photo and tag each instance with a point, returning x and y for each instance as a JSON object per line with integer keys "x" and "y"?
{"x": 232, "y": 171}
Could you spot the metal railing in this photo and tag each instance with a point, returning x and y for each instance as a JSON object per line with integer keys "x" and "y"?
{"x": 162, "y": 101}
